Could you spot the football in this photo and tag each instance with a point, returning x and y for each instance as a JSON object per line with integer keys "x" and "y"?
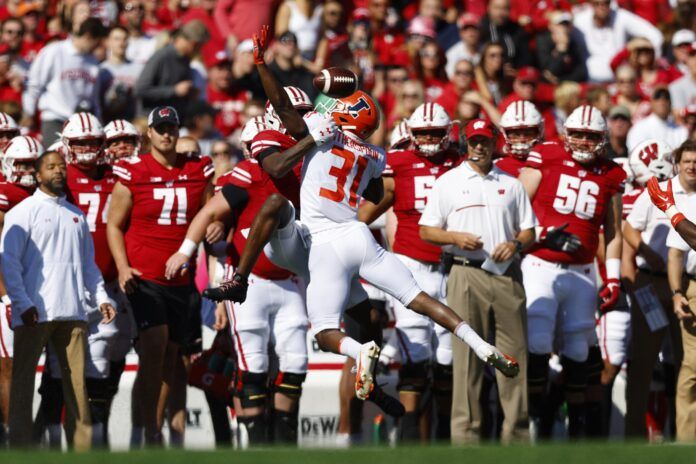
{"x": 336, "y": 82}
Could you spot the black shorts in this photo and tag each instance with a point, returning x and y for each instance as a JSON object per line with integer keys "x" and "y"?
{"x": 179, "y": 308}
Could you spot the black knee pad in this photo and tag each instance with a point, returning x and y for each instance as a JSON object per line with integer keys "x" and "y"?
{"x": 442, "y": 380}
{"x": 538, "y": 371}
{"x": 285, "y": 427}
{"x": 413, "y": 377}
{"x": 256, "y": 428}
{"x": 574, "y": 375}
{"x": 363, "y": 322}
{"x": 252, "y": 388}
{"x": 289, "y": 384}
{"x": 595, "y": 366}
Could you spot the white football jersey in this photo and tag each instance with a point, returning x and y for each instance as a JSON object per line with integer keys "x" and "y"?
{"x": 334, "y": 177}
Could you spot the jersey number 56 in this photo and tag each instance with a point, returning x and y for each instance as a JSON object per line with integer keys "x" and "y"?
{"x": 575, "y": 195}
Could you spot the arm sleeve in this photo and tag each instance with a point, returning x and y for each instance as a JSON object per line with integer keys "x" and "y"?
{"x": 434, "y": 214}
{"x": 15, "y": 235}
{"x": 147, "y": 87}
{"x": 94, "y": 282}
{"x": 236, "y": 197}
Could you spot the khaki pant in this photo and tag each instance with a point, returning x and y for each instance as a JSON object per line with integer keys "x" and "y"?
{"x": 473, "y": 294}
{"x": 644, "y": 349}
{"x": 69, "y": 341}
{"x": 686, "y": 383}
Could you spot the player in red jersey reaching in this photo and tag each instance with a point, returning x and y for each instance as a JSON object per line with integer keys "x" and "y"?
{"x": 17, "y": 166}
{"x": 408, "y": 177}
{"x": 152, "y": 204}
{"x": 577, "y": 191}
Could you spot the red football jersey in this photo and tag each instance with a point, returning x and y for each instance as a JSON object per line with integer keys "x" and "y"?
{"x": 230, "y": 107}
{"x": 511, "y": 165}
{"x": 93, "y": 198}
{"x": 249, "y": 176}
{"x": 414, "y": 176}
{"x": 164, "y": 202}
{"x": 11, "y": 194}
{"x": 288, "y": 185}
{"x": 627, "y": 201}
{"x": 572, "y": 193}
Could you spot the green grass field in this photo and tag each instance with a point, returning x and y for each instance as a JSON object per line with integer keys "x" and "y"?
{"x": 558, "y": 454}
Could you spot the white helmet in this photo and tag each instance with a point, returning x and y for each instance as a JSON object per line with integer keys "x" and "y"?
{"x": 8, "y": 127}
{"x": 21, "y": 149}
{"x": 83, "y": 126}
{"x": 300, "y": 101}
{"x": 401, "y": 136}
{"x": 430, "y": 116}
{"x": 589, "y": 120}
{"x": 250, "y": 130}
{"x": 120, "y": 128}
{"x": 522, "y": 114}
{"x": 651, "y": 158}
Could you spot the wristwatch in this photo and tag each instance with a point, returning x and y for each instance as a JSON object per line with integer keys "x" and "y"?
{"x": 677, "y": 292}
{"x": 518, "y": 245}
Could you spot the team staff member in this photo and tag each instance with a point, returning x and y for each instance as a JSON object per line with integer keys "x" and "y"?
{"x": 152, "y": 204}
{"x": 49, "y": 267}
{"x": 483, "y": 218}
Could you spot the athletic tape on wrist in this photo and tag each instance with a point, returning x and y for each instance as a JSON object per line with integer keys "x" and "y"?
{"x": 188, "y": 247}
{"x": 613, "y": 266}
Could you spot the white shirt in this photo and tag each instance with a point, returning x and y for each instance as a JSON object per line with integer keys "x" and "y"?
{"x": 604, "y": 42}
{"x": 140, "y": 49}
{"x": 686, "y": 203}
{"x": 683, "y": 91}
{"x": 494, "y": 207}
{"x": 48, "y": 260}
{"x": 60, "y": 78}
{"x": 652, "y": 127}
{"x": 334, "y": 177}
{"x": 652, "y": 223}
{"x": 458, "y": 52}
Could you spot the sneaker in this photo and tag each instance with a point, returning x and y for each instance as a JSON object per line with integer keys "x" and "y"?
{"x": 365, "y": 367}
{"x": 234, "y": 289}
{"x": 386, "y": 402}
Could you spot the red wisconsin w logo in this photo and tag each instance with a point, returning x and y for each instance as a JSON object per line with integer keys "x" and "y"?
{"x": 501, "y": 191}
{"x": 164, "y": 112}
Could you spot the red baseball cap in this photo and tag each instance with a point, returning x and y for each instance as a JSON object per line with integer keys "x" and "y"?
{"x": 528, "y": 74}
{"x": 479, "y": 127}
{"x": 468, "y": 20}
{"x": 217, "y": 58}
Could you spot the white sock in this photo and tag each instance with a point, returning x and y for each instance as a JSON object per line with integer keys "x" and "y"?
{"x": 349, "y": 347}
{"x": 466, "y": 334}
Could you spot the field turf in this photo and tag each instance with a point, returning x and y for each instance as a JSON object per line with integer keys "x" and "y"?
{"x": 584, "y": 453}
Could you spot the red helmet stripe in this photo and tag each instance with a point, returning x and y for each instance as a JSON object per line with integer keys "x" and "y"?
{"x": 89, "y": 122}
{"x": 589, "y": 117}
{"x": 82, "y": 121}
{"x": 4, "y": 118}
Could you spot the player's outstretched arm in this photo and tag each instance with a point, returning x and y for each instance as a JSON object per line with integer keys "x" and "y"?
{"x": 664, "y": 200}
{"x": 282, "y": 105}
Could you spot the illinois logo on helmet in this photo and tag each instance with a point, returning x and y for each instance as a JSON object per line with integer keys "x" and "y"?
{"x": 18, "y": 160}
{"x": 357, "y": 113}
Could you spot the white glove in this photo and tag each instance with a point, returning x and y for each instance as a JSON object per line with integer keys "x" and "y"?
{"x": 324, "y": 131}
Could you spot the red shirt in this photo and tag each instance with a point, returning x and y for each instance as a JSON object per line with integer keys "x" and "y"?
{"x": 288, "y": 185}
{"x": 249, "y": 176}
{"x": 164, "y": 202}
{"x": 511, "y": 165}
{"x": 414, "y": 176}
{"x": 230, "y": 106}
{"x": 93, "y": 196}
{"x": 572, "y": 193}
{"x": 11, "y": 194}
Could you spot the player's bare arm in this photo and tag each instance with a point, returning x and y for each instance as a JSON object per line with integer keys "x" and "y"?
{"x": 637, "y": 246}
{"x": 116, "y": 223}
{"x": 530, "y": 178}
{"x": 279, "y": 163}
{"x": 370, "y": 211}
{"x": 609, "y": 293}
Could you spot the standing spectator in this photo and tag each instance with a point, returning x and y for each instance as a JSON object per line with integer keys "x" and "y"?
{"x": 640, "y": 54}
{"x": 239, "y": 20}
{"x": 62, "y": 79}
{"x": 683, "y": 90}
{"x": 681, "y": 46}
{"x": 395, "y": 77}
{"x": 490, "y": 77}
{"x": 497, "y": 26}
{"x": 302, "y": 18}
{"x": 203, "y": 11}
{"x": 12, "y": 33}
{"x": 559, "y": 54}
{"x": 167, "y": 78}
{"x": 605, "y": 31}
{"x": 468, "y": 46}
{"x": 618, "y": 123}
{"x": 410, "y": 97}
{"x": 566, "y": 98}
{"x": 117, "y": 78}
{"x": 333, "y": 49}
{"x": 49, "y": 269}
{"x": 689, "y": 116}
{"x": 446, "y": 31}
{"x": 659, "y": 125}
{"x": 224, "y": 158}
{"x": 226, "y": 99}
{"x": 140, "y": 45}
{"x": 683, "y": 289}
{"x": 483, "y": 232}
{"x": 287, "y": 67}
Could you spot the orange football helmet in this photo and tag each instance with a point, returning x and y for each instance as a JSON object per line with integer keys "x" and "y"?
{"x": 357, "y": 113}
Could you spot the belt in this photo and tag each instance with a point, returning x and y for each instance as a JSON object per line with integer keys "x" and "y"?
{"x": 461, "y": 261}
{"x": 658, "y": 273}
{"x": 691, "y": 277}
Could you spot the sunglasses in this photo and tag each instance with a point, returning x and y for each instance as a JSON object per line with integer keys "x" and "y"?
{"x": 461, "y": 72}
{"x": 166, "y": 129}
{"x": 222, "y": 153}
{"x": 428, "y": 54}
{"x": 13, "y": 31}
{"x": 189, "y": 153}
{"x": 287, "y": 41}
{"x": 397, "y": 80}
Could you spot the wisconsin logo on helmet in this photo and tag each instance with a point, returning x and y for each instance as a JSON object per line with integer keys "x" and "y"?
{"x": 648, "y": 153}
{"x": 164, "y": 113}
{"x": 355, "y": 109}
{"x": 479, "y": 125}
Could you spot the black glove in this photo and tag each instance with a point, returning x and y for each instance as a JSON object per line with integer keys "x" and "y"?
{"x": 558, "y": 239}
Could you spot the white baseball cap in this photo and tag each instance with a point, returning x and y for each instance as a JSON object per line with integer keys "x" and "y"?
{"x": 683, "y": 36}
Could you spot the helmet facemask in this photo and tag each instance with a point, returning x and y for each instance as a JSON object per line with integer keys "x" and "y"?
{"x": 122, "y": 146}
{"x": 431, "y": 140}
{"x": 86, "y": 151}
{"x": 520, "y": 140}
{"x": 19, "y": 171}
{"x": 584, "y": 145}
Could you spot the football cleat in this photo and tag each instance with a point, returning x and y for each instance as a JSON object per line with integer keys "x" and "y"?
{"x": 386, "y": 402}
{"x": 365, "y": 367}
{"x": 234, "y": 289}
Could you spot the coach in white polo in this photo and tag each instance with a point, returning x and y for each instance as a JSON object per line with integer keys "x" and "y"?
{"x": 483, "y": 218}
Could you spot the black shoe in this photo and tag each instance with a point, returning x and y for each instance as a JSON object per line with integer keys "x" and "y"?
{"x": 386, "y": 403}
{"x": 233, "y": 290}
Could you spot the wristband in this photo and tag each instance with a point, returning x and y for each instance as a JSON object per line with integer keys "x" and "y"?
{"x": 5, "y": 299}
{"x": 613, "y": 267}
{"x": 188, "y": 247}
{"x": 676, "y": 219}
